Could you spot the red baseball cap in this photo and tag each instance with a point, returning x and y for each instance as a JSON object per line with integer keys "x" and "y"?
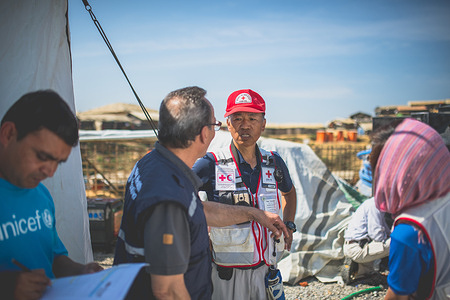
{"x": 245, "y": 101}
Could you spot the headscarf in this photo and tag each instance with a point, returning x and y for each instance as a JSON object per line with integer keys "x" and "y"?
{"x": 413, "y": 168}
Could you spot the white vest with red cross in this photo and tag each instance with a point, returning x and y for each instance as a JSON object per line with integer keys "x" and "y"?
{"x": 247, "y": 244}
{"x": 433, "y": 218}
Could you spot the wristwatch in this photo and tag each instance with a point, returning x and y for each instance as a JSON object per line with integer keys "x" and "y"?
{"x": 291, "y": 225}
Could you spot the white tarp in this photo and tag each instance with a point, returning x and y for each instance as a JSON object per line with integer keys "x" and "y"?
{"x": 34, "y": 55}
{"x": 322, "y": 212}
{"x": 115, "y": 135}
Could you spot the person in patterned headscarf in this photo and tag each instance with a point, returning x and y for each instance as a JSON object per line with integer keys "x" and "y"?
{"x": 411, "y": 181}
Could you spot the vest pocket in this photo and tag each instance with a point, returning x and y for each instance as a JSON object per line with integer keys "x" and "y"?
{"x": 233, "y": 246}
{"x": 279, "y": 251}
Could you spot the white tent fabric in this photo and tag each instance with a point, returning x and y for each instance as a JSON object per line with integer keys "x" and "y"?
{"x": 322, "y": 212}
{"x": 34, "y": 55}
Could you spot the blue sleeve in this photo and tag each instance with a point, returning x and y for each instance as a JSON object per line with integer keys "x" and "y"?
{"x": 409, "y": 260}
{"x": 58, "y": 246}
{"x": 205, "y": 169}
{"x": 286, "y": 184}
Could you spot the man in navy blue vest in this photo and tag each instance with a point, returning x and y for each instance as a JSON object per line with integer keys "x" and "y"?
{"x": 164, "y": 223}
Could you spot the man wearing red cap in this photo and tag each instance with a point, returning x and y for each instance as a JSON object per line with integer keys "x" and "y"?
{"x": 244, "y": 174}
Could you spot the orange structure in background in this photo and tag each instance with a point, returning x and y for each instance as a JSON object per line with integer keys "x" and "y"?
{"x": 340, "y": 136}
{"x": 352, "y": 136}
{"x": 330, "y": 136}
{"x": 320, "y": 136}
{"x": 323, "y": 136}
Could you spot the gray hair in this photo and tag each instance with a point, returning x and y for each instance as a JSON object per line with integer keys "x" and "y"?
{"x": 182, "y": 115}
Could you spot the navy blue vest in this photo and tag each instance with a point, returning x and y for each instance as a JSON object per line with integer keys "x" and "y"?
{"x": 156, "y": 179}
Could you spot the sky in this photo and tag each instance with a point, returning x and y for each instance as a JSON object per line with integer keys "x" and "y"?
{"x": 312, "y": 61}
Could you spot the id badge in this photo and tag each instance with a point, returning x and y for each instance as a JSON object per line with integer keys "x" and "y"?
{"x": 270, "y": 203}
{"x": 268, "y": 178}
{"x": 225, "y": 178}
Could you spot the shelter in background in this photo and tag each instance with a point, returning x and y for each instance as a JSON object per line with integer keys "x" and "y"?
{"x": 273, "y": 129}
{"x": 359, "y": 121}
{"x": 435, "y": 113}
{"x": 344, "y": 124}
{"x": 361, "y": 117}
{"x": 108, "y": 158}
{"x": 363, "y": 121}
{"x": 431, "y": 106}
{"x": 296, "y": 132}
{"x": 117, "y": 116}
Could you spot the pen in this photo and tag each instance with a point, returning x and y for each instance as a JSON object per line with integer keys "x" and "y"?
{"x": 20, "y": 265}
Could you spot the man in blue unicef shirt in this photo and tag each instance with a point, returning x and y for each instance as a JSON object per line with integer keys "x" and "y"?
{"x": 36, "y": 134}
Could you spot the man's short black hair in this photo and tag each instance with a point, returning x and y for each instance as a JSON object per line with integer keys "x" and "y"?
{"x": 43, "y": 109}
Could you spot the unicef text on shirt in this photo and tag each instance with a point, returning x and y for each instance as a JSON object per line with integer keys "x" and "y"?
{"x": 16, "y": 227}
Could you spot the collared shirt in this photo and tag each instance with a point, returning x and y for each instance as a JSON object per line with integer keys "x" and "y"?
{"x": 205, "y": 169}
{"x": 367, "y": 222}
{"x": 195, "y": 180}
{"x": 250, "y": 176}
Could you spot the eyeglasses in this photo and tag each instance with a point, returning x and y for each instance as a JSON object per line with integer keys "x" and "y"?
{"x": 217, "y": 125}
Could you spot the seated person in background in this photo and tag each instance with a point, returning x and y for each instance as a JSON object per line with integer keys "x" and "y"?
{"x": 366, "y": 240}
{"x": 411, "y": 181}
{"x": 36, "y": 134}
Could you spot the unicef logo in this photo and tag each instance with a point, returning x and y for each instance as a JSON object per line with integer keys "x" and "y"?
{"x": 47, "y": 218}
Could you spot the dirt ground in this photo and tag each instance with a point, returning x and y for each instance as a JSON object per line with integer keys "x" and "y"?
{"x": 369, "y": 288}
